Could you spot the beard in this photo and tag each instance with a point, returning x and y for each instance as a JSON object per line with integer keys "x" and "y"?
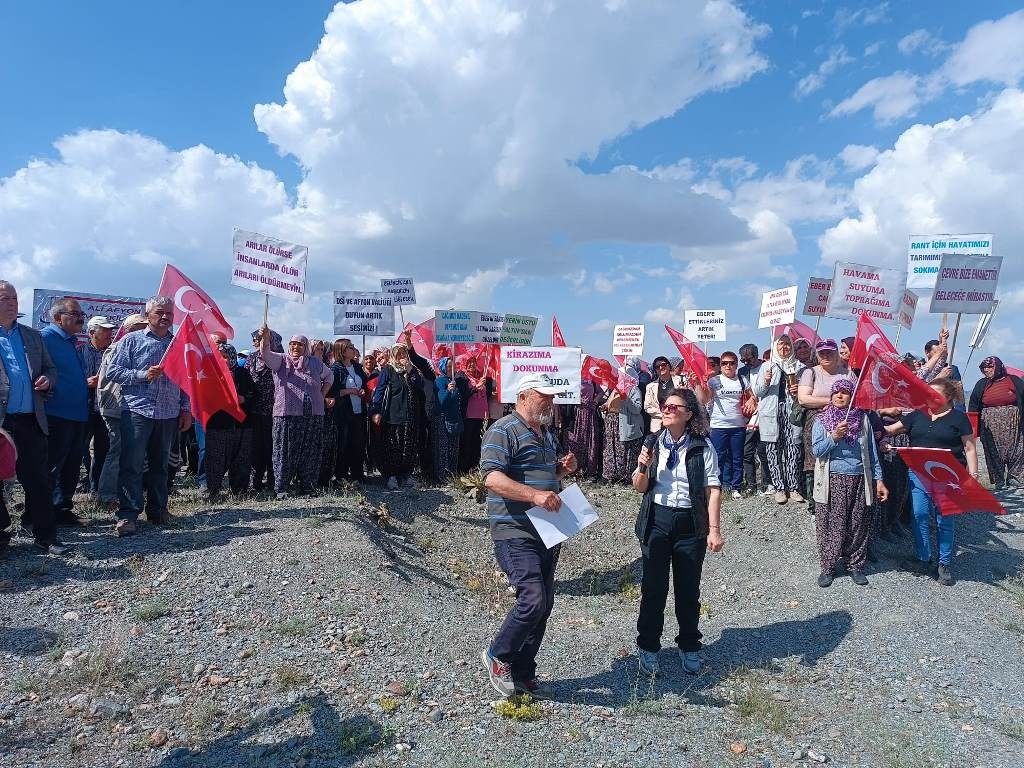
{"x": 545, "y": 415}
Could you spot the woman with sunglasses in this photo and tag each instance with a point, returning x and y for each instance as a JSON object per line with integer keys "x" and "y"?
{"x": 999, "y": 398}
{"x": 679, "y": 520}
{"x": 658, "y": 389}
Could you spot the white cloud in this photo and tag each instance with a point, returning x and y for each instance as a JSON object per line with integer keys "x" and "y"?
{"x": 921, "y": 40}
{"x": 812, "y": 82}
{"x": 991, "y": 51}
{"x": 603, "y": 285}
{"x": 601, "y": 325}
{"x": 890, "y": 97}
{"x": 857, "y": 157}
{"x": 873, "y": 48}
{"x": 844, "y": 18}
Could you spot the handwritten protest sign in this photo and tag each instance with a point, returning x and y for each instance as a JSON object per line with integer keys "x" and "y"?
{"x": 705, "y": 324}
{"x": 363, "y": 313}
{"x": 269, "y": 265}
{"x": 816, "y": 299}
{"x": 460, "y": 326}
{"x": 518, "y": 329}
{"x": 925, "y": 252}
{"x": 863, "y": 289}
{"x": 628, "y": 340}
{"x": 778, "y": 307}
{"x": 488, "y": 326}
{"x": 966, "y": 284}
{"x": 114, "y": 308}
{"x": 908, "y": 309}
{"x": 562, "y": 365}
{"x": 401, "y": 289}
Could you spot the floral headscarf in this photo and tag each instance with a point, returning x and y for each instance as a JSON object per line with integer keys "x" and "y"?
{"x": 832, "y": 416}
{"x": 298, "y": 363}
{"x": 1000, "y": 369}
{"x": 230, "y": 354}
{"x": 393, "y": 358}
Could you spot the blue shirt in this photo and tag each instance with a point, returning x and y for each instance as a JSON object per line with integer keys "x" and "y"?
{"x": 70, "y": 398}
{"x": 845, "y": 457}
{"x": 12, "y": 355}
{"x": 92, "y": 358}
{"x": 132, "y": 357}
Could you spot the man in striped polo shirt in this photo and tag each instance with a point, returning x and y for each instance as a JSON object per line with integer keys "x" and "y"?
{"x": 521, "y": 469}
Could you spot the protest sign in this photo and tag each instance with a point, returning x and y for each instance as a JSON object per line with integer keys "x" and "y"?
{"x": 518, "y": 329}
{"x": 401, "y": 289}
{"x": 966, "y": 284}
{"x": 488, "y": 326}
{"x": 114, "y": 308}
{"x": 778, "y": 307}
{"x": 363, "y": 313}
{"x": 268, "y": 265}
{"x": 861, "y": 288}
{"x": 908, "y": 308}
{"x": 461, "y": 326}
{"x": 816, "y": 300}
{"x": 563, "y": 366}
{"x": 925, "y": 253}
{"x": 575, "y": 514}
{"x": 628, "y": 340}
{"x": 705, "y": 324}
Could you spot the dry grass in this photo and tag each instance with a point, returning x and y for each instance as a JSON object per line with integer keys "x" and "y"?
{"x": 748, "y": 690}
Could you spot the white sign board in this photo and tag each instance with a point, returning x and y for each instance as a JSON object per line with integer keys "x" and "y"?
{"x": 269, "y": 265}
{"x": 518, "y": 329}
{"x": 778, "y": 307}
{"x": 628, "y": 340}
{"x": 488, "y": 327}
{"x": 816, "y": 299}
{"x": 862, "y": 289}
{"x": 966, "y": 284}
{"x": 575, "y": 514}
{"x": 562, "y": 365}
{"x": 114, "y": 308}
{"x": 459, "y": 326}
{"x": 705, "y": 324}
{"x": 908, "y": 309}
{"x": 363, "y": 313}
{"x": 926, "y": 251}
{"x": 401, "y": 289}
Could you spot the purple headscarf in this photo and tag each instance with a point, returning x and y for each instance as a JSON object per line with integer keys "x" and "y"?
{"x": 831, "y": 416}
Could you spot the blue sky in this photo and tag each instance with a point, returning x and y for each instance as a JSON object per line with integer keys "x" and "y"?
{"x": 537, "y": 169}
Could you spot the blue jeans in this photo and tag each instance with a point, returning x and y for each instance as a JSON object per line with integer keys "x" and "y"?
{"x": 112, "y": 463}
{"x": 201, "y": 442}
{"x": 530, "y": 568}
{"x": 924, "y": 511}
{"x": 65, "y": 444}
{"x": 142, "y": 439}
{"x": 728, "y": 444}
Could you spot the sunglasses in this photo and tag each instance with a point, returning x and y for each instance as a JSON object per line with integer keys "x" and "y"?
{"x": 728, "y": 362}
{"x": 659, "y": 366}
{"x": 673, "y": 408}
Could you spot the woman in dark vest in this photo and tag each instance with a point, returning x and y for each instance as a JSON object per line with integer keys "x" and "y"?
{"x": 679, "y": 520}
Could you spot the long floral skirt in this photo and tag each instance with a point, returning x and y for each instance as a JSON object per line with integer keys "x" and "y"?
{"x": 399, "y": 450}
{"x": 618, "y": 459}
{"x": 1003, "y": 443}
{"x": 843, "y": 525}
{"x": 298, "y": 441}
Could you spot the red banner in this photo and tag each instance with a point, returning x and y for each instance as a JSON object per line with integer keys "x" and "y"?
{"x": 204, "y": 376}
{"x": 869, "y": 335}
{"x": 948, "y": 483}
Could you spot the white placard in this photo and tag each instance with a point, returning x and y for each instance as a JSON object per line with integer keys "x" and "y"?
{"x": 704, "y": 324}
{"x": 562, "y": 365}
{"x": 908, "y": 309}
{"x": 114, "y": 308}
{"x": 925, "y": 252}
{"x": 966, "y": 284}
{"x": 363, "y": 313}
{"x": 575, "y": 514}
{"x": 518, "y": 329}
{"x": 816, "y": 298}
{"x": 778, "y": 307}
{"x": 462, "y": 326}
{"x": 628, "y": 340}
{"x": 488, "y": 327}
{"x": 401, "y": 289}
{"x": 269, "y": 265}
{"x": 863, "y": 289}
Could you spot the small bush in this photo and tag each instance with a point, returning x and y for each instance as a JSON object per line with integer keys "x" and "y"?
{"x": 293, "y": 627}
{"x": 754, "y": 701}
{"x": 150, "y": 610}
{"x": 390, "y": 703}
{"x": 521, "y": 708}
{"x": 289, "y": 676}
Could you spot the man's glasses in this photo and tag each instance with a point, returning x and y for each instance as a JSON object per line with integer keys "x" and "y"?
{"x": 659, "y": 366}
{"x": 673, "y": 408}
{"x": 73, "y": 314}
{"x": 728, "y": 362}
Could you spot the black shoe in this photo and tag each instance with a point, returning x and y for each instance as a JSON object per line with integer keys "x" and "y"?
{"x": 945, "y": 576}
{"x": 825, "y": 580}
{"x": 859, "y": 578}
{"x": 69, "y": 519}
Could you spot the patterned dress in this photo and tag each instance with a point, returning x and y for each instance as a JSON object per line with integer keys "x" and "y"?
{"x": 1004, "y": 445}
{"x": 298, "y": 443}
{"x": 618, "y": 458}
{"x": 583, "y": 436}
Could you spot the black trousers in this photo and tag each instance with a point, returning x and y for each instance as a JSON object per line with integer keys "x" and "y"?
{"x": 33, "y": 471}
{"x": 262, "y": 451}
{"x": 754, "y": 449}
{"x": 95, "y": 433}
{"x": 64, "y": 454}
{"x": 672, "y": 544}
{"x": 351, "y": 446}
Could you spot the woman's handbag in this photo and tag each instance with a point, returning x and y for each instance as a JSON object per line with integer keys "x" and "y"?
{"x": 798, "y": 413}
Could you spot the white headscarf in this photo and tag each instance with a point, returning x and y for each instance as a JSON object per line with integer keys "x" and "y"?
{"x": 787, "y": 364}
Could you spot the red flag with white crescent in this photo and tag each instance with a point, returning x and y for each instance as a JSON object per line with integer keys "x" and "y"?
{"x": 422, "y": 338}
{"x": 192, "y": 301}
{"x": 201, "y": 372}
{"x": 886, "y": 383}
{"x": 948, "y": 482}
{"x": 696, "y": 360}
{"x": 869, "y": 336}
{"x": 796, "y": 330}
{"x": 557, "y": 339}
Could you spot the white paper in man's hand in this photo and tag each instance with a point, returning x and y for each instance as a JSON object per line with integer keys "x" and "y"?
{"x": 573, "y": 516}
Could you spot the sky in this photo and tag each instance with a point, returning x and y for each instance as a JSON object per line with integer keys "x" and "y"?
{"x": 614, "y": 162}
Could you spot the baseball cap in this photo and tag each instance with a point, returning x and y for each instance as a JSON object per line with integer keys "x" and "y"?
{"x": 99, "y": 321}
{"x": 826, "y": 345}
{"x": 538, "y": 381}
{"x": 134, "y": 320}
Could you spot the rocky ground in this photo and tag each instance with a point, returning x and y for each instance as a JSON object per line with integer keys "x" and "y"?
{"x": 346, "y": 630}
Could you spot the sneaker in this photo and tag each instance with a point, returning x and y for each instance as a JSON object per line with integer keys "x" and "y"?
{"x": 859, "y": 578}
{"x": 281, "y": 496}
{"x": 825, "y": 580}
{"x": 531, "y": 687}
{"x": 945, "y": 575}
{"x": 392, "y": 484}
{"x": 648, "y": 662}
{"x": 797, "y": 497}
{"x": 737, "y": 495}
{"x": 499, "y": 673}
{"x": 780, "y": 497}
{"x": 692, "y": 665}
{"x": 409, "y": 482}
{"x": 769, "y": 491}
{"x": 124, "y": 528}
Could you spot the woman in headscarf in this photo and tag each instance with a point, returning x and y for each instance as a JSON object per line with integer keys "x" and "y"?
{"x": 803, "y": 351}
{"x": 999, "y": 398}
{"x": 447, "y": 427}
{"x": 776, "y": 390}
{"x": 623, "y": 427}
{"x": 847, "y": 480}
{"x": 320, "y": 350}
{"x": 478, "y": 390}
{"x": 261, "y": 414}
{"x": 229, "y": 441}
{"x": 395, "y": 414}
{"x": 300, "y": 383}
{"x": 583, "y": 430}
{"x": 845, "y": 350}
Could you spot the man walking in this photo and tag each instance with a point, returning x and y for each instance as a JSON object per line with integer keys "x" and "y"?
{"x": 155, "y": 411}
{"x": 521, "y": 470}
{"x": 27, "y": 374}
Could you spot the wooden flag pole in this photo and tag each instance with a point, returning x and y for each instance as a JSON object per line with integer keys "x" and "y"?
{"x": 266, "y": 309}
{"x": 956, "y": 330}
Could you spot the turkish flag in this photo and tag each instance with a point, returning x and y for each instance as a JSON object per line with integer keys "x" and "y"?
{"x": 557, "y": 339}
{"x": 885, "y": 382}
{"x": 603, "y": 373}
{"x": 192, "y": 301}
{"x": 948, "y": 483}
{"x": 199, "y": 370}
{"x": 796, "y": 330}
{"x": 422, "y": 337}
{"x": 869, "y": 336}
{"x": 696, "y": 360}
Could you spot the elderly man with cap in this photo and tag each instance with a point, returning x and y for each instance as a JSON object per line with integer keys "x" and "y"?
{"x": 68, "y": 409}
{"x": 101, "y": 332}
{"x": 521, "y": 470}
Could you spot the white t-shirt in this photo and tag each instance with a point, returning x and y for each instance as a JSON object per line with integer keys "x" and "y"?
{"x": 725, "y": 402}
{"x": 671, "y": 488}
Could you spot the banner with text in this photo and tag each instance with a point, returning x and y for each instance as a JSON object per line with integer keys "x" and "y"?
{"x": 778, "y": 307}
{"x": 925, "y": 252}
{"x": 860, "y": 288}
{"x": 401, "y": 289}
{"x": 459, "y": 326}
{"x": 563, "y": 366}
{"x": 363, "y": 313}
{"x": 628, "y": 340}
{"x": 518, "y": 329}
{"x": 704, "y": 324}
{"x": 114, "y": 308}
{"x": 908, "y": 309}
{"x": 269, "y": 265}
{"x": 816, "y": 300}
{"x": 966, "y": 284}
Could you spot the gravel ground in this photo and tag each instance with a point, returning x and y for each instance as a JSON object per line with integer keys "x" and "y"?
{"x": 346, "y": 630}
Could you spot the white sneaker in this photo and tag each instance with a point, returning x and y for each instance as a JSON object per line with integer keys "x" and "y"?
{"x": 769, "y": 491}
{"x": 737, "y": 495}
{"x": 392, "y": 484}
